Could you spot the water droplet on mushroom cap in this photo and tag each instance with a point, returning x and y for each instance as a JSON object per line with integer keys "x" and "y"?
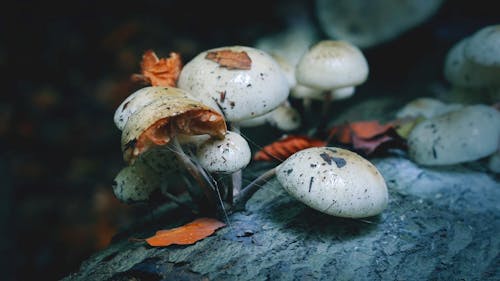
{"x": 334, "y": 181}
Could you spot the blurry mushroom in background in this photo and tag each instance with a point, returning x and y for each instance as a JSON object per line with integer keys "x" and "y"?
{"x": 333, "y": 67}
{"x": 369, "y": 23}
{"x": 426, "y": 107}
{"x": 464, "y": 135}
{"x": 284, "y": 117}
{"x": 334, "y": 181}
{"x": 245, "y": 83}
{"x": 472, "y": 67}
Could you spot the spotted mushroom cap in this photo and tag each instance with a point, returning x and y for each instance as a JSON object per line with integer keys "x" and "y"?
{"x": 241, "y": 92}
{"x": 334, "y": 181}
{"x": 459, "y": 136}
{"x": 175, "y": 112}
{"x": 331, "y": 64}
{"x": 227, "y": 155}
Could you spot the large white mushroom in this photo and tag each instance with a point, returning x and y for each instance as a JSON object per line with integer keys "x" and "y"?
{"x": 464, "y": 135}
{"x": 334, "y": 181}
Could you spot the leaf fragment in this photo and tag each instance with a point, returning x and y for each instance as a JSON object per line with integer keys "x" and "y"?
{"x": 285, "y": 147}
{"x": 187, "y": 234}
{"x": 159, "y": 72}
{"x": 230, "y": 59}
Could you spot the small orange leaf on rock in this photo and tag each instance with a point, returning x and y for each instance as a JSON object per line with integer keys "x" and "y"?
{"x": 187, "y": 234}
{"x": 285, "y": 147}
{"x": 230, "y": 59}
{"x": 159, "y": 72}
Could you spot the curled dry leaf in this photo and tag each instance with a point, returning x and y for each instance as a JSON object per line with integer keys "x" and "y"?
{"x": 159, "y": 72}
{"x": 284, "y": 148}
{"x": 187, "y": 234}
{"x": 230, "y": 59}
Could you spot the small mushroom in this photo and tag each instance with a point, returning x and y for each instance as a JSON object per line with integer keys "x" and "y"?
{"x": 369, "y": 23}
{"x": 173, "y": 113}
{"x": 334, "y": 181}
{"x": 227, "y": 155}
{"x": 333, "y": 67}
{"x": 464, "y": 135}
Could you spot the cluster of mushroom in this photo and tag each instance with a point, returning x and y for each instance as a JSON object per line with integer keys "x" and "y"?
{"x": 173, "y": 134}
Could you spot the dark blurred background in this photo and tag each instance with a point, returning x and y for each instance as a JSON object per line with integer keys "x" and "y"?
{"x": 66, "y": 67}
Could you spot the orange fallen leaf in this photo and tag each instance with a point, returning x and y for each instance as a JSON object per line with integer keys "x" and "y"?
{"x": 187, "y": 234}
{"x": 159, "y": 72}
{"x": 285, "y": 147}
{"x": 230, "y": 59}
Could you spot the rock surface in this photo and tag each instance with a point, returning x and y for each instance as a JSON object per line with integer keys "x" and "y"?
{"x": 441, "y": 224}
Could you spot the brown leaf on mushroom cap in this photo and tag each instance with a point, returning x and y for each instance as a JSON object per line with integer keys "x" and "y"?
{"x": 159, "y": 72}
{"x": 230, "y": 59}
{"x": 174, "y": 113}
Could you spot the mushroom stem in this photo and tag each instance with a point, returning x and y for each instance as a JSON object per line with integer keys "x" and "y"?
{"x": 197, "y": 175}
{"x": 251, "y": 188}
{"x": 236, "y": 177}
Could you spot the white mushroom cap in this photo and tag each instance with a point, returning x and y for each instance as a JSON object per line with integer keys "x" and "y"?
{"x": 467, "y": 134}
{"x": 288, "y": 70}
{"x": 483, "y": 47}
{"x": 332, "y": 64}
{"x": 240, "y": 93}
{"x": 334, "y": 181}
{"x": 426, "y": 107}
{"x": 342, "y": 93}
{"x": 369, "y": 23}
{"x": 141, "y": 98}
{"x": 228, "y": 155}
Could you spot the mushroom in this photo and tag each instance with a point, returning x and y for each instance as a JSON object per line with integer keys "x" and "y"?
{"x": 241, "y": 92}
{"x": 156, "y": 170}
{"x": 245, "y": 82}
{"x": 426, "y": 107}
{"x": 334, "y": 181}
{"x": 284, "y": 117}
{"x": 369, "y": 23}
{"x": 331, "y": 180}
{"x": 464, "y": 135}
{"x": 161, "y": 122}
{"x": 334, "y": 67}
{"x": 494, "y": 161}
{"x": 227, "y": 155}
{"x": 472, "y": 67}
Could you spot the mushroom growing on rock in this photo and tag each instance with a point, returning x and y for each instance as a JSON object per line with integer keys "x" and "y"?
{"x": 464, "y": 135}
{"x": 331, "y": 180}
{"x": 334, "y": 181}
